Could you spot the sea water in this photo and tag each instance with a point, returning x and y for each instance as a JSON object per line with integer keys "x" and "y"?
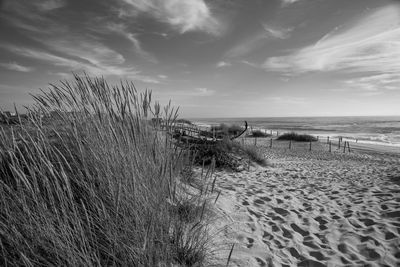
{"x": 374, "y": 130}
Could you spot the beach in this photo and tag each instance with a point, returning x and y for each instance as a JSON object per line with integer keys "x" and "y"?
{"x": 313, "y": 208}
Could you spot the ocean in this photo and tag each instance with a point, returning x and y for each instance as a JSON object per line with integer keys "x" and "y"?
{"x": 374, "y": 130}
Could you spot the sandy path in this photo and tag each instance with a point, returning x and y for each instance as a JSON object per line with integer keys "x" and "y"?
{"x": 314, "y": 209}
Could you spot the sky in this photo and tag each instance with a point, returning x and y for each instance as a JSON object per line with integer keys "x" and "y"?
{"x": 226, "y": 58}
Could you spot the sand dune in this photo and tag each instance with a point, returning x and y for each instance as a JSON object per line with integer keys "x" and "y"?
{"x": 313, "y": 209}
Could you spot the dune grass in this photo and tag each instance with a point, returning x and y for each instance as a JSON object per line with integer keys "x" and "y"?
{"x": 297, "y": 137}
{"x": 88, "y": 181}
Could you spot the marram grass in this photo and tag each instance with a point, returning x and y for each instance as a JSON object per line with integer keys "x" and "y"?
{"x": 88, "y": 181}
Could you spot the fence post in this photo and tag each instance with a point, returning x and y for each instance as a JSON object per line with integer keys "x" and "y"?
{"x": 339, "y": 144}
{"x": 348, "y": 146}
{"x": 290, "y": 144}
{"x": 310, "y": 145}
{"x": 327, "y": 140}
{"x": 270, "y": 144}
{"x": 344, "y": 147}
{"x": 255, "y": 141}
{"x": 330, "y": 146}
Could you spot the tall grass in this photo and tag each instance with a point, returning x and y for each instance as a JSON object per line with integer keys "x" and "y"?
{"x": 89, "y": 181}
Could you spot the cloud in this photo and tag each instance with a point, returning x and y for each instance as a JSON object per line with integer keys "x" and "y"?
{"x": 251, "y": 64}
{"x": 203, "y": 92}
{"x": 99, "y": 62}
{"x": 185, "y": 16}
{"x": 371, "y": 44}
{"x": 387, "y": 81}
{"x": 49, "y": 5}
{"x": 258, "y": 39}
{"x": 122, "y": 30}
{"x": 277, "y": 32}
{"x": 16, "y": 67}
{"x": 288, "y": 2}
{"x": 222, "y": 64}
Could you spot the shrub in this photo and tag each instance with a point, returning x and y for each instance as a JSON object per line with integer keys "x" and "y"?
{"x": 259, "y": 133}
{"x": 226, "y": 130}
{"x": 184, "y": 121}
{"x": 297, "y": 137}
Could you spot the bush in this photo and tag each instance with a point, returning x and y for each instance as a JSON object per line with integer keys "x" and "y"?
{"x": 184, "y": 121}
{"x": 259, "y": 133}
{"x": 297, "y": 137}
{"x": 226, "y": 130}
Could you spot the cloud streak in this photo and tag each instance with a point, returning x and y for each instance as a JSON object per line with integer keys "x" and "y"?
{"x": 185, "y": 16}
{"x": 100, "y": 61}
{"x": 16, "y": 67}
{"x": 371, "y": 44}
{"x": 122, "y": 30}
{"x": 277, "y": 32}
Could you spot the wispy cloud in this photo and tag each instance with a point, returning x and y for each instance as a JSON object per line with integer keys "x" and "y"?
{"x": 251, "y": 64}
{"x": 387, "y": 81}
{"x": 122, "y": 30}
{"x": 277, "y": 32}
{"x": 203, "y": 92}
{"x": 185, "y": 16}
{"x": 222, "y": 64}
{"x": 49, "y": 5}
{"x": 288, "y": 2}
{"x": 258, "y": 39}
{"x": 100, "y": 61}
{"x": 371, "y": 44}
{"x": 16, "y": 67}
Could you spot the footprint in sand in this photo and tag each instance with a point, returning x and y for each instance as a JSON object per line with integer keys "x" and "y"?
{"x": 267, "y": 199}
{"x": 295, "y": 253}
{"x": 286, "y": 233}
{"x": 318, "y": 255}
{"x": 250, "y": 242}
{"x": 281, "y": 211}
{"x": 299, "y": 230}
{"x": 258, "y": 202}
{"x": 308, "y": 263}
{"x": 369, "y": 253}
{"x": 261, "y": 262}
{"x": 367, "y": 222}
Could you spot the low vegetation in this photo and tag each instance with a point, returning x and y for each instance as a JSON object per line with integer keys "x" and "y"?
{"x": 223, "y": 130}
{"x": 227, "y": 153}
{"x": 185, "y": 121}
{"x": 259, "y": 133}
{"x": 97, "y": 185}
{"x": 297, "y": 137}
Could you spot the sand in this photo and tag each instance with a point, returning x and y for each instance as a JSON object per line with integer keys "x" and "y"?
{"x": 312, "y": 208}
